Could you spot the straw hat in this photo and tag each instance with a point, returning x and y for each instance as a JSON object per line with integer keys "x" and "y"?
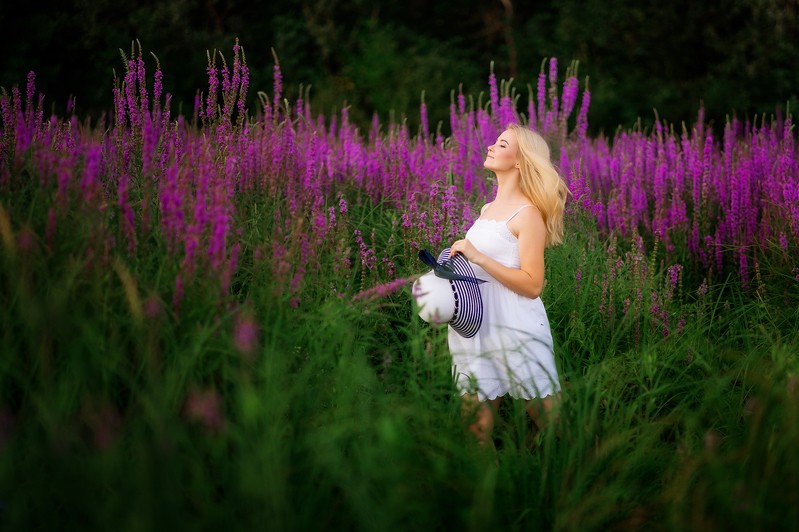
{"x": 449, "y": 293}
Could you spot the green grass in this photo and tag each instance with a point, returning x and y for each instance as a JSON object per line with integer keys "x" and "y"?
{"x": 345, "y": 416}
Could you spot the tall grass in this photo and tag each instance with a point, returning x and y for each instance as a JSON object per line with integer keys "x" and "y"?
{"x": 206, "y": 322}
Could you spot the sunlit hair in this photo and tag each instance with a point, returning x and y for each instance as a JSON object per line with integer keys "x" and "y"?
{"x": 540, "y": 181}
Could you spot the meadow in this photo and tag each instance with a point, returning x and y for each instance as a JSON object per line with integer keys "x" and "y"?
{"x": 207, "y": 322}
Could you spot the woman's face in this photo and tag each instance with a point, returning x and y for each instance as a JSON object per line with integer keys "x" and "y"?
{"x": 502, "y": 155}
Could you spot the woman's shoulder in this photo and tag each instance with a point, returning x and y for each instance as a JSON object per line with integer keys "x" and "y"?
{"x": 527, "y": 212}
{"x": 528, "y": 216}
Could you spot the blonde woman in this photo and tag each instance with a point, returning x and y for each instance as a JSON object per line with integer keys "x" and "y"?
{"x": 512, "y": 353}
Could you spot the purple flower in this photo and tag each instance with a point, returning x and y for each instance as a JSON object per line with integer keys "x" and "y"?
{"x": 582, "y": 116}
{"x": 570, "y": 89}
{"x": 493, "y": 93}
{"x": 702, "y": 290}
{"x": 30, "y": 90}
{"x": 243, "y": 87}
{"x": 152, "y": 309}
{"x": 277, "y": 87}
{"x": 204, "y": 407}
{"x": 383, "y": 290}
{"x": 245, "y": 334}
{"x": 553, "y": 81}
{"x": 673, "y": 277}
{"x": 423, "y": 115}
{"x": 541, "y": 93}
{"x": 213, "y": 84}
{"x": 177, "y": 295}
{"x": 368, "y": 258}
{"x": 158, "y": 86}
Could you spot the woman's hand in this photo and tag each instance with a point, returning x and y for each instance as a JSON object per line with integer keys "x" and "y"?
{"x": 467, "y": 249}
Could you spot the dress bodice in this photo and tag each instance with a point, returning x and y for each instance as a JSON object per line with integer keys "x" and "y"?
{"x": 495, "y": 239}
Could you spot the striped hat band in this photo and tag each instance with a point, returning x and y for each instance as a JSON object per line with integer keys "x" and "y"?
{"x": 450, "y": 294}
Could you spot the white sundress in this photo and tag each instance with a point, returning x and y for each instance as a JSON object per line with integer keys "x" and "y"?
{"x": 512, "y": 352}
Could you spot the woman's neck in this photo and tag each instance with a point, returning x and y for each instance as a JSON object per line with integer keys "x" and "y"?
{"x": 508, "y": 191}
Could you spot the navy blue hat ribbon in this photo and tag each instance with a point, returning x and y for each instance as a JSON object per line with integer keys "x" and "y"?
{"x": 445, "y": 269}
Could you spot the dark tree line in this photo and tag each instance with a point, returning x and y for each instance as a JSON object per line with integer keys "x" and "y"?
{"x": 735, "y": 56}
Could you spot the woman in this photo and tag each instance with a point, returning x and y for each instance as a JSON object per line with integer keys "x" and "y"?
{"x": 512, "y": 353}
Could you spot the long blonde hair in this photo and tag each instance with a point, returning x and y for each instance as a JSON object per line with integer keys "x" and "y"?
{"x": 540, "y": 182}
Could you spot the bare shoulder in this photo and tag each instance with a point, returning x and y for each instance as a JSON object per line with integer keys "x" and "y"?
{"x": 528, "y": 219}
{"x": 483, "y": 209}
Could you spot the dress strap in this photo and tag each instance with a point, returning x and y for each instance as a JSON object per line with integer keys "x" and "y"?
{"x": 517, "y": 212}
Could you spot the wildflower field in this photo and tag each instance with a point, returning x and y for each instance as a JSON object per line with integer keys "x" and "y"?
{"x": 207, "y": 322}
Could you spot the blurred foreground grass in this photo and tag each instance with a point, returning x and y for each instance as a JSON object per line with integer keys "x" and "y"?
{"x": 120, "y": 410}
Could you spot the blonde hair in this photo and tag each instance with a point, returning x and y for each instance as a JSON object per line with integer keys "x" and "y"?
{"x": 540, "y": 182}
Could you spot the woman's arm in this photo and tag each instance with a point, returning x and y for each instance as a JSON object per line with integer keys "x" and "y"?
{"x": 528, "y": 279}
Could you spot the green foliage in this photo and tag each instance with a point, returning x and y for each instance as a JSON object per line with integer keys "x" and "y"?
{"x": 391, "y": 67}
{"x": 118, "y": 409}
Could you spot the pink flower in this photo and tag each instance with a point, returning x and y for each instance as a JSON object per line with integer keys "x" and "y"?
{"x": 152, "y": 307}
{"x": 382, "y": 290}
{"x": 783, "y": 240}
{"x": 204, "y": 407}
{"x": 702, "y": 290}
{"x": 245, "y": 334}
{"x": 26, "y": 240}
{"x": 277, "y": 87}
